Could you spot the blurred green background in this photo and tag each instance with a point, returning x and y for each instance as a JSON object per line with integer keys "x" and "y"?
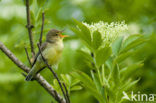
{"x": 140, "y": 15}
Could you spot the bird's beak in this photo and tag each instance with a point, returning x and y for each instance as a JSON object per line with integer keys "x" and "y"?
{"x": 63, "y": 36}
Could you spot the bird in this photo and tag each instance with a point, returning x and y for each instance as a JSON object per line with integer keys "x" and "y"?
{"x": 51, "y": 50}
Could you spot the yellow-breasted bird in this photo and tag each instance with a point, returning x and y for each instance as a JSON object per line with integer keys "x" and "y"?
{"x": 51, "y": 50}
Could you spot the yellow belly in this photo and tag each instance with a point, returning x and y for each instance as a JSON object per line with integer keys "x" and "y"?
{"x": 54, "y": 59}
{"x": 52, "y": 55}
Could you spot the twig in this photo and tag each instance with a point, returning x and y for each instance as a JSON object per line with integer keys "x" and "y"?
{"x": 26, "y": 51}
{"x": 66, "y": 92}
{"x": 38, "y": 77}
{"x": 40, "y": 40}
{"x": 29, "y": 26}
{"x": 55, "y": 75}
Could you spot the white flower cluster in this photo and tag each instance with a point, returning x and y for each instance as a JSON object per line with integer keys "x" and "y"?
{"x": 109, "y": 31}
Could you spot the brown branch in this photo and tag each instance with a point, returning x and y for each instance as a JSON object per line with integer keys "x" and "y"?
{"x": 26, "y": 51}
{"x": 38, "y": 77}
{"x": 66, "y": 92}
{"x": 40, "y": 40}
{"x": 29, "y": 27}
{"x": 55, "y": 75}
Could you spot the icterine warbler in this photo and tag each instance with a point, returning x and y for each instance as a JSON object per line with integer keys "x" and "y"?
{"x": 51, "y": 50}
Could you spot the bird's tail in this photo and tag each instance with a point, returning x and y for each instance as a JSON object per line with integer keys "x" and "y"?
{"x": 31, "y": 74}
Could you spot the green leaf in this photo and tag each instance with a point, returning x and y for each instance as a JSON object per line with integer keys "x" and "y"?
{"x": 132, "y": 42}
{"x": 96, "y": 94}
{"x": 130, "y": 70}
{"x": 97, "y": 78}
{"x": 111, "y": 94}
{"x": 102, "y": 55}
{"x": 81, "y": 36}
{"x": 130, "y": 39}
{"x": 41, "y": 2}
{"x": 74, "y": 88}
{"x": 66, "y": 78}
{"x": 128, "y": 84}
{"x": 104, "y": 79}
{"x": 39, "y": 12}
{"x": 74, "y": 82}
{"x": 116, "y": 75}
{"x": 117, "y": 45}
{"x": 35, "y": 7}
{"x": 123, "y": 56}
{"x": 131, "y": 84}
{"x": 88, "y": 84}
{"x": 83, "y": 78}
{"x": 97, "y": 40}
{"x": 32, "y": 17}
{"x": 96, "y": 81}
{"x": 56, "y": 85}
{"x": 85, "y": 54}
{"x": 85, "y": 33}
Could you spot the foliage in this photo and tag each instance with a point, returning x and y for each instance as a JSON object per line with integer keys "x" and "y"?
{"x": 89, "y": 67}
{"x": 110, "y": 76}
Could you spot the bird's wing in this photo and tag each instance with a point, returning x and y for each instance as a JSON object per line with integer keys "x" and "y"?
{"x": 43, "y": 46}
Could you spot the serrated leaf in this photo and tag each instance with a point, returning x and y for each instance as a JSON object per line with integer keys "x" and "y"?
{"x": 102, "y": 55}
{"x": 81, "y": 36}
{"x": 85, "y": 33}
{"x": 117, "y": 45}
{"x": 97, "y": 40}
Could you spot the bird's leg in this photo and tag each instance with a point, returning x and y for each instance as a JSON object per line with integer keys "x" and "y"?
{"x": 36, "y": 73}
{"x": 41, "y": 69}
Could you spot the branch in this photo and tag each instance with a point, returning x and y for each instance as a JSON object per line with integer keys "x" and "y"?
{"x": 66, "y": 92}
{"x": 55, "y": 75}
{"x": 38, "y": 77}
{"x": 26, "y": 51}
{"x": 29, "y": 27}
{"x": 40, "y": 40}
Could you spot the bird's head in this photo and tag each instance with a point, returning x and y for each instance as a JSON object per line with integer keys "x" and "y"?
{"x": 54, "y": 35}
